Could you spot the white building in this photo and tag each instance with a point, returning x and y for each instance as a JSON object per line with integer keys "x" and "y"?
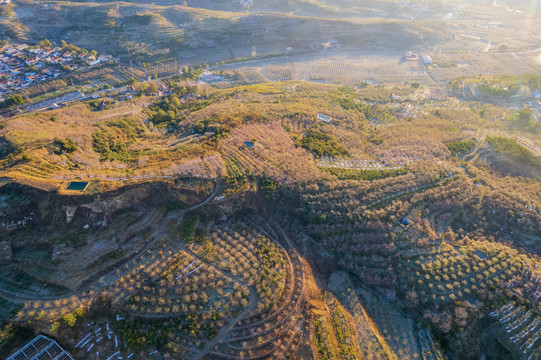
{"x": 207, "y": 76}
{"x": 427, "y": 60}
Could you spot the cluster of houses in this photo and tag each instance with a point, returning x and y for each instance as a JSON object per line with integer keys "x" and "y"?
{"x": 208, "y": 76}
{"x": 410, "y": 56}
{"x": 22, "y": 65}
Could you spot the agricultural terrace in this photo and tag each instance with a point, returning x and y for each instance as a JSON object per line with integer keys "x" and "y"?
{"x": 355, "y": 164}
{"x": 229, "y": 292}
{"x": 250, "y": 256}
{"x": 528, "y": 144}
{"x": 357, "y": 67}
{"x": 274, "y": 156}
{"x": 398, "y": 329}
{"x": 109, "y": 145}
{"x": 448, "y": 66}
{"x": 278, "y": 324}
{"x": 322, "y": 337}
{"x": 383, "y": 332}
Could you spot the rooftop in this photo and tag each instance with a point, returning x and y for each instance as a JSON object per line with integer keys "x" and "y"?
{"x": 42, "y": 348}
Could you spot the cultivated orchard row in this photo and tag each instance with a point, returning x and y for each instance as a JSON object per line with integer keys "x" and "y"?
{"x": 344, "y": 200}
{"x": 455, "y": 275}
{"x": 241, "y": 162}
{"x": 335, "y": 68}
{"x": 250, "y": 257}
{"x": 277, "y": 326}
{"x": 232, "y": 271}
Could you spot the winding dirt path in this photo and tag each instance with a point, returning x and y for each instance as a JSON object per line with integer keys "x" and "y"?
{"x": 216, "y": 188}
{"x": 225, "y": 329}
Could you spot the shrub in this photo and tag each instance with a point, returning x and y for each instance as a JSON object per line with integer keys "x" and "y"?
{"x": 188, "y": 227}
{"x": 109, "y": 145}
{"x": 68, "y": 145}
{"x": 524, "y": 120}
{"x": 268, "y": 184}
{"x": 26, "y": 157}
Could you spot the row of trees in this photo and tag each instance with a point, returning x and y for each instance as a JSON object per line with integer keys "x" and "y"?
{"x": 12, "y": 100}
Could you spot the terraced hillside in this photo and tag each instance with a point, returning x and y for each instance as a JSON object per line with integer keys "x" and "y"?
{"x": 323, "y": 8}
{"x": 237, "y": 224}
{"x": 144, "y": 32}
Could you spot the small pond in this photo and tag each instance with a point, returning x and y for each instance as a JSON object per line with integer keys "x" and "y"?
{"x": 481, "y": 255}
{"x": 472, "y": 301}
{"x": 77, "y": 185}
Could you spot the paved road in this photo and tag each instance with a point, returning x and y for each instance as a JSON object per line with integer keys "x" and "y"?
{"x": 73, "y": 96}
{"x": 65, "y": 99}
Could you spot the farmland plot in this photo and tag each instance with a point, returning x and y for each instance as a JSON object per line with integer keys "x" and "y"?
{"x": 273, "y": 156}
{"x": 402, "y": 154}
{"x": 182, "y": 284}
{"x": 355, "y": 164}
{"x": 242, "y": 162}
{"x": 59, "y": 299}
{"x": 449, "y": 66}
{"x": 348, "y": 68}
{"x": 344, "y": 199}
{"x": 527, "y": 283}
{"x": 528, "y": 144}
{"x": 237, "y": 279}
{"x": 248, "y": 256}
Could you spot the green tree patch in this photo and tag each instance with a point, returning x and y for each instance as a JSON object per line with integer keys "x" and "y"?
{"x": 461, "y": 147}
{"x": 321, "y": 144}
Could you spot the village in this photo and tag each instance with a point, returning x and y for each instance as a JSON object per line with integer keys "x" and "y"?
{"x": 22, "y": 65}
